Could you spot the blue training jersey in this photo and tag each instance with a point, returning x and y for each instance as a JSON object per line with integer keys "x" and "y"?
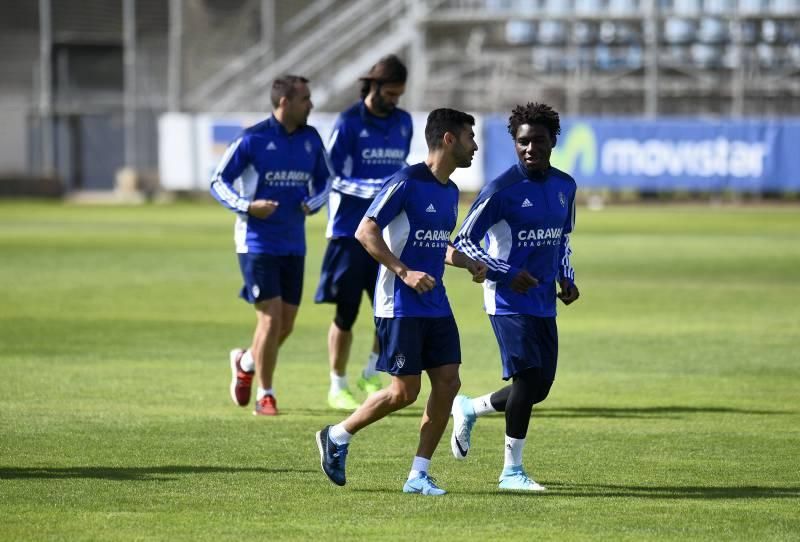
{"x": 526, "y": 220}
{"x": 417, "y": 214}
{"x": 365, "y": 150}
{"x": 266, "y": 162}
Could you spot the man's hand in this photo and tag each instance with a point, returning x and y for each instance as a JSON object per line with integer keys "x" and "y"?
{"x": 262, "y": 208}
{"x": 569, "y": 292}
{"x": 305, "y": 208}
{"x": 522, "y": 281}
{"x": 419, "y": 281}
{"x": 478, "y": 270}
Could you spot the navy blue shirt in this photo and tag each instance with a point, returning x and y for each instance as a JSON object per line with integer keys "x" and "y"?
{"x": 365, "y": 150}
{"x": 266, "y": 162}
{"x": 417, "y": 214}
{"x": 526, "y": 220}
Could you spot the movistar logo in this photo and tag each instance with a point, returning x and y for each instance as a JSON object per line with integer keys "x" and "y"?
{"x": 578, "y": 147}
{"x": 696, "y": 158}
{"x": 580, "y": 152}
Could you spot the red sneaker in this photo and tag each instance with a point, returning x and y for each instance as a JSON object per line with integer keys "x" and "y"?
{"x": 241, "y": 381}
{"x": 266, "y": 406}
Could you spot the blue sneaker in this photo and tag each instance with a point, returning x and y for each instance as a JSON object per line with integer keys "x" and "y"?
{"x": 516, "y": 478}
{"x": 423, "y": 484}
{"x": 332, "y": 456}
{"x": 464, "y": 419}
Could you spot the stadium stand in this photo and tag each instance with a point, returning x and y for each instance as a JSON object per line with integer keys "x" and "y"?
{"x": 585, "y": 57}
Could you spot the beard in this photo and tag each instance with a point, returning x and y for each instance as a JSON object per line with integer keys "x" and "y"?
{"x": 463, "y": 156}
{"x": 382, "y": 106}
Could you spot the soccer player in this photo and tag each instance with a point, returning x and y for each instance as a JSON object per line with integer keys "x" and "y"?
{"x": 370, "y": 142}
{"x": 407, "y": 229}
{"x": 526, "y": 216}
{"x": 272, "y": 176}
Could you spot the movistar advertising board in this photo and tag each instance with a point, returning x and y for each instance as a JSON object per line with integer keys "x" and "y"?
{"x": 666, "y": 154}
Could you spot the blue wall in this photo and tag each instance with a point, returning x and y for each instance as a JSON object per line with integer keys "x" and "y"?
{"x": 666, "y": 154}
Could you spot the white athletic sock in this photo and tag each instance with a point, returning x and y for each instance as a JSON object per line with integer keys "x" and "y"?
{"x": 339, "y": 435}
{"x": 369, "y": 369}
{"x": 247, "y": 362}
{"x": 262, "y": 392}
{"x": 338, "y": 383}
{"x": 513, "y": 451}
{"x": 483, "y": 405}
{"x": 420, "y": 464}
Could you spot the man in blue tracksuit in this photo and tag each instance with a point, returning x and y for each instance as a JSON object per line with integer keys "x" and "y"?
{"x": 370, "y": 142}
{"x": 272, "y": 176}
{"x": 526, "y": 216}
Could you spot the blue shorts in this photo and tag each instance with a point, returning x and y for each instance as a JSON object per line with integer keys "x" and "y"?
{"x": 267, "y": 276}
{"x": 526, "y": 342}
{"x": 411, "y": 345}
{"x": 347, "y": 270}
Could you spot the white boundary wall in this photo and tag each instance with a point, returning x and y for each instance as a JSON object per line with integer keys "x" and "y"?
{"x": 190, "y": 146}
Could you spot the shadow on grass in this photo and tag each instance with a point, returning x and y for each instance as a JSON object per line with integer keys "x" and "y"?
{"x": 646, "y": 412}
{"x": 663, "y": 412}
{"x": 408, "y": 412}
{"x": 144, "y": 474}
{"x": 674, "y": 492}
{"x": 598, "y": 491}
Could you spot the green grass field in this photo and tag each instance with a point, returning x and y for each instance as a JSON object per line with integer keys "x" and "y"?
{"x": 675, "y": 414}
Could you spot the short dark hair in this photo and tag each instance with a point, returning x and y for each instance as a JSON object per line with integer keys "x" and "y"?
{"x": 389, "y": 69}
{"x": 534, "y": 113}
{"x": 441, "y": 121}
{"x": 283, "y": 87}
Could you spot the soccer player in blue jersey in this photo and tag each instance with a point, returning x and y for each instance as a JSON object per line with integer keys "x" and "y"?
{"x": 370, "y": 142}
{"x": 272, "y": 176}
{"x": 526, "y": 216}
{"x": 407, "y": 229}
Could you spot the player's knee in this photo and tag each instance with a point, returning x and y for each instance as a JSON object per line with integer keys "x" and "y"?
{"x": 542, "y": 392}
{"x": 287, "y": 326}
{"x": 269, "y": 325}
{"x": 402, "y": 396}
{"x": 342, "y": 324}
{"x": 346, "y": 314}
{"x": 449, "y": 387}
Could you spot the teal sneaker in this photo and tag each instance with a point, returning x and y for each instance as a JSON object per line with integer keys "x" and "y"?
{"x": 464, "y": 419}
{"x": 369, "y": 385}
{"x": 516, "y": 478}
{"x": 423, "y": 485}
{"x": 342, "y": 400}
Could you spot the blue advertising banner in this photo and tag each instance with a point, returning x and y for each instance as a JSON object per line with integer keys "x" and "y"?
{"x": 666, "y": 154}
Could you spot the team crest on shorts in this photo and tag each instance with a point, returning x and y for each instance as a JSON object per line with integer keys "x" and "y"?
{"x": 399, "y": 360}
{"x": 308, "y": 146}
{"x": 562, "y": 199}
{"x": 256, "y": 290}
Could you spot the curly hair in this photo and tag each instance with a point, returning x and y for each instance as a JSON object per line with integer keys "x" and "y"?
{"x": 534, "y": 113}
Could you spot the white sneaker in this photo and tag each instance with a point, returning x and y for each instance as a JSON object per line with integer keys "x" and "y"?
{"x": 464, "y": 419}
